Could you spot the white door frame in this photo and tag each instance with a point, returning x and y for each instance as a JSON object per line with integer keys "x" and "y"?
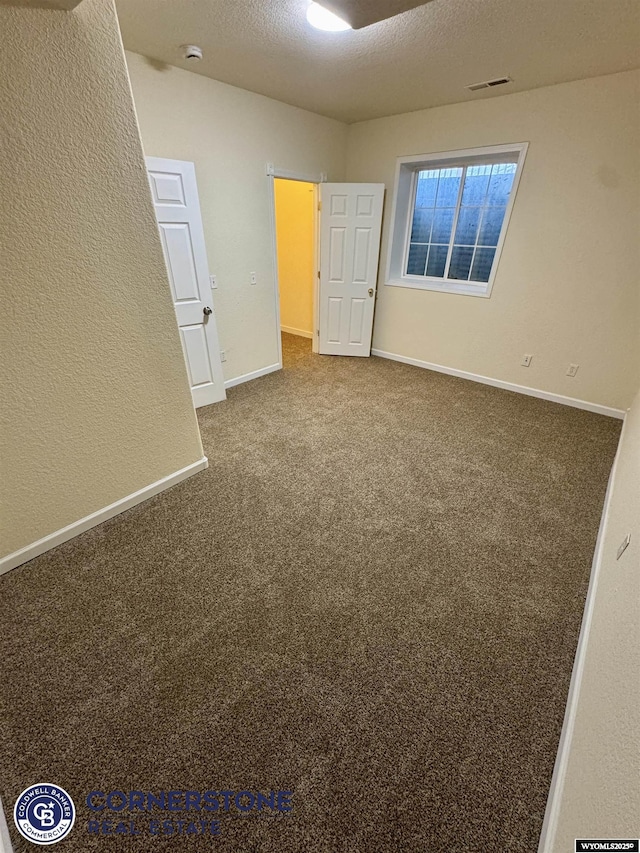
{"x": 274, "y": 172}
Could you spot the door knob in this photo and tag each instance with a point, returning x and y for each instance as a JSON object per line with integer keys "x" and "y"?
{"x": 206, "y": 311}
{"x": 370, "y": 291}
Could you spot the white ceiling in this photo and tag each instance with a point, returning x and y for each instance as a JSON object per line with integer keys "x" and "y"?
{"x": 363, "y": 13}
{"x": 422, "y": 58}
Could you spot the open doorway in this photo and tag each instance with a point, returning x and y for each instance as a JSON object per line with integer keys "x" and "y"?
{"x": 326, "y": 263}
{"x": 296, "y": 247}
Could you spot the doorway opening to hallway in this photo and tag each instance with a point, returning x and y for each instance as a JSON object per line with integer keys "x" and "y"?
{"x": 296, "y": 204}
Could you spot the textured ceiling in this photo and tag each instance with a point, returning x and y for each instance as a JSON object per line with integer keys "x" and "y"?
{"x": 363, "y": 13}
{"x": 422, "y": 58}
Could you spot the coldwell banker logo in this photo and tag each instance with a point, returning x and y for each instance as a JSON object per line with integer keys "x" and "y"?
{"x": 44, "y": 813}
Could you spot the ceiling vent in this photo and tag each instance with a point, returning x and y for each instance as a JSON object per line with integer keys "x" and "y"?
{"x": 488, "y": 84}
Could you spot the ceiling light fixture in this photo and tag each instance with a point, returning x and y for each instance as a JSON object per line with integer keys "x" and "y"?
{"x": 323, "y": 19}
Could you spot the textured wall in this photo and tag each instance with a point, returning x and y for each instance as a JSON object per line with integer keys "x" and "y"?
{"x": 295, "y": 227}
{"x": 231, "y": 135}
{"x": 41, "y": 4}
{"x": 567, "y": 285}
{"x": 601, "y": 795}
{"x": 97, "y": 400}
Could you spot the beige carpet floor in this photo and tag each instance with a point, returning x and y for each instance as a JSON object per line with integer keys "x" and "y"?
{"x": 371, "y": 598}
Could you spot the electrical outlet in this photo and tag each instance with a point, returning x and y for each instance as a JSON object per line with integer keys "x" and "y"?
{"x": 572, "y": 369}
{"x": 253, "y": 278}
{"x": 213, "y": 282}
{"x": 623, "y": 546}
{"x": 223, "y": 355}
{"x": 526, "y": 360}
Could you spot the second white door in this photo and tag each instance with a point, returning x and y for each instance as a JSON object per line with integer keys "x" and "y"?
{"x": 350, "y": 224}
{"x": 175, "y": 199}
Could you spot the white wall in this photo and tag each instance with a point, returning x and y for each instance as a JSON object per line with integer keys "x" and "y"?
{"x": 231, "y": 134}
{"x": 567, "y": 285}
{"x": 598, "y": 793}
{"x": 96, "y": 402}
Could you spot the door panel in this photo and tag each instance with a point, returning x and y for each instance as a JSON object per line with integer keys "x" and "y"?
{"x": 356, "y": 328}
{"x": 175, "y": 199}
{"x": 336, "y": 255}
{"x": 338, "y": 204}
{"x": 364, "y": 205}
{"x": 178, "y": 256}
{"x": 167, "y": 188}
{"x": 195, "y": 345}
{"x": 333, "y": 322}
{"x": 350, "y": 224}
{"x": 361, "y": 256}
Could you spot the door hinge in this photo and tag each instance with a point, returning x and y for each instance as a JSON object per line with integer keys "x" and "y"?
{"x": 319, "y": 205}
{"x": 318, "y": 332}
{"x": 318, "y": 273}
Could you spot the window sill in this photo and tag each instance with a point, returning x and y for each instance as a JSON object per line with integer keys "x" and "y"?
{"x": 462, "y": 288}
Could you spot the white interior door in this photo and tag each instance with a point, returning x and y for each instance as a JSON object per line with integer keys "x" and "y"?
{"x": 175, "y": 198}
{"x": 350, "y": 223}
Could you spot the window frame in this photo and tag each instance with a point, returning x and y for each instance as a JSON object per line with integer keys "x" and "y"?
{"x": 407, "y": 169}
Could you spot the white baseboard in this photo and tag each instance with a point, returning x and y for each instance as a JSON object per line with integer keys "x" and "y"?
{"x": 299, "y": 332}
{"x": 508, "y": 386}
{"x": 71, "y": 530}
{"x": 255, "y": 374}
{"x": 550, "y": 823}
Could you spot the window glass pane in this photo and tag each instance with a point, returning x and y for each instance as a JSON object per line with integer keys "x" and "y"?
{"x": 442, "y": 224}
{"x": 482, "y": 262}
{"x": 500, "y": 184}
{"x": 457, "y": 216}
{"x": 491, "y": 225}
{"x": 437, "y": 261}
{"x": 460, "y": 262}
{"x": 421, "y": 231}
{"x": 448, "y": 187}
{"x": 417, "y": 259}
{"x": 467, "y": 228}
{"x": 427, "y": 188}
{"x": 478, "y": 220}
{"x": 475, "y": 184}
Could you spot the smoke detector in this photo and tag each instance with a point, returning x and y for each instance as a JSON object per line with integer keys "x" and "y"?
{"x": 489, "y": 84}
{"x": 191, "y": 51}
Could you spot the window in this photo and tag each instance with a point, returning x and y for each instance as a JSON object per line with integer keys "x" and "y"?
{"x": 450, "y": 217}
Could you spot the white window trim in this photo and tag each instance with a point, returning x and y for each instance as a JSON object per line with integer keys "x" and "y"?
{"x": 407, "y": 169}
